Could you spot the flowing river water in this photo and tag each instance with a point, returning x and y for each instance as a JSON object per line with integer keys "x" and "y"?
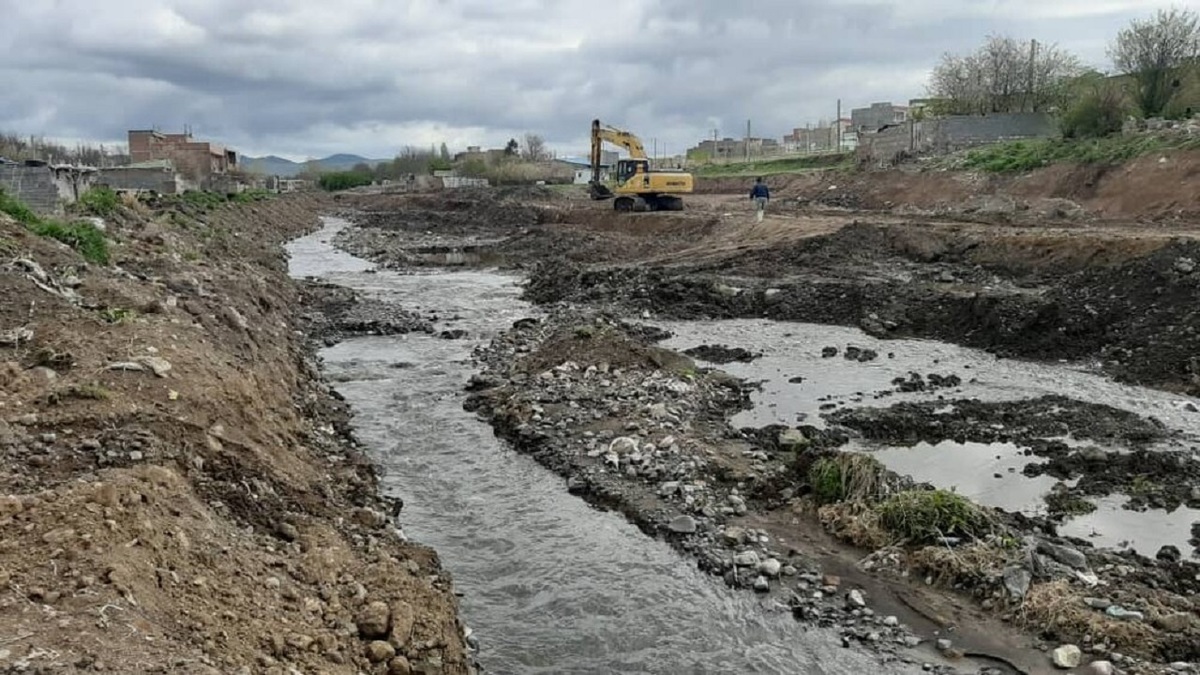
{"x": 549, "y": 584}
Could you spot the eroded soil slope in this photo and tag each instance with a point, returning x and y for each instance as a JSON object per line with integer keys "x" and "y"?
{"x": 180, "y": 490}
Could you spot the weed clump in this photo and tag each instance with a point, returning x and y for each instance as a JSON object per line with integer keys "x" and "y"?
{"x": 846, "y": 477}
{"x": 923, "y": 516}
{"x": 101, "y": 200}
{"x": 82, "y": 236}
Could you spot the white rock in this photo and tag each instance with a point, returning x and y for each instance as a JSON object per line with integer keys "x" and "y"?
{"x": 1066, "y": 657}
{"x": 770, "y": 567}
{"x": 746, "y": 559}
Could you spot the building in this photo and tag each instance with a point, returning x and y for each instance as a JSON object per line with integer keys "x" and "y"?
{"x": 877, "y": 116}
{"x": 733, "y": 149}
{"x": 823, "y": 138}
{"x": 157, "y": 176}
{"x": 582, "y": 168}
{"x": 45, "y": 187}
{"x": 199, "y": 161}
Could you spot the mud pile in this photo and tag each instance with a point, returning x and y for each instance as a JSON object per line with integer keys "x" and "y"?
{"x": 181, "y": 493}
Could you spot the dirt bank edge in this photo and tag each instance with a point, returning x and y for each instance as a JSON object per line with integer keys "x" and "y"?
{"x": 180, "y": 490}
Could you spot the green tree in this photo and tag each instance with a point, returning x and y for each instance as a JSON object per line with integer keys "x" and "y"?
{"x": 445, "y": 153}
{"x": 1099, "y": 109}
{"x": 512, "y": 147}
{"x": 1154, "y": 52}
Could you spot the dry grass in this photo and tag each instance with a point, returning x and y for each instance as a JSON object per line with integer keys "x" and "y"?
{"x": 854, "y": 522}
{"x": 1058, "y": 608}
{"x": 973, "y": 565}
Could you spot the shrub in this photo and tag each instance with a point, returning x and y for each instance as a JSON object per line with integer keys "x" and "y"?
{"x": 1096, "y": 114}
{"x": 16, "y": 209}
{"x": 82, "y": 236}
{"x": 344, "y": 180}
{"x": 923, "y": 516}
{"x": 248, "y": 196}
{"x": 100, "y": 200}
{"x": 845, "y": 477}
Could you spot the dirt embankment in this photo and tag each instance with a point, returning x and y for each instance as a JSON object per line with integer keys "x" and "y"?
{"x": 180, "y": 491}
{"x": 1160, "y": 186}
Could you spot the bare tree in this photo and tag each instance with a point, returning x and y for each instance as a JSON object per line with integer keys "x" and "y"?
{"x": 535, "y": 148}
{"x": 1152, "y": 52}
{"x": 1004, "y": 75}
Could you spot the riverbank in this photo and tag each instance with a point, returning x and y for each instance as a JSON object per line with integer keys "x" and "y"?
{"x": 1018, "y": 291}
{"x": 181, "y": 489}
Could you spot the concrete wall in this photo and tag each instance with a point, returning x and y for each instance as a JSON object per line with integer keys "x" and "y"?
{"x": 33, "y": 185}
{"x": 948, "y": 134}
{"x": 162, "y": 181}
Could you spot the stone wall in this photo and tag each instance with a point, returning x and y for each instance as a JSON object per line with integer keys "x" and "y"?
{"x": 137, "y": 179}
{"x": 948, "y": 134}
{"x": 34, "y": 185}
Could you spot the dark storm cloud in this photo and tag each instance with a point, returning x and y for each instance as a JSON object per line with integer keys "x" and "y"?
{"x": 305, "y": 78}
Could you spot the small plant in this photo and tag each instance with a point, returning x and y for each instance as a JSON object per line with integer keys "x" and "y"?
{"x": 203, "y": 199}
{"x": 1065, "y": 503}
{"x": 21, "y": 213}
{"x": 585, "y": 332}
{"x": 90, "y": 391}
{"x": 117, "y": 314}
{"x": 923, "y": 516}
{"x": 250, "y": 196}
{"x": 82, "y": 236}
{"x": 100, "y": 200}
{"x": 846, "y": 476}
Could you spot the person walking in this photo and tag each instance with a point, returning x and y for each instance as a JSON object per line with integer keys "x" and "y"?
{"x": 761, "y": 195}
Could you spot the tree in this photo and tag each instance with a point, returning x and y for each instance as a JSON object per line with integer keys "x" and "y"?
{"x": 445, "y": 153}
{"x": 1154, "y": 51}
{"x": 1004, "y": 75}
{"x": 361, "y": 168}
{"x": 511, "y": 147}
{"x": 535, "y": 148}
{"x": 1099, "y": 109}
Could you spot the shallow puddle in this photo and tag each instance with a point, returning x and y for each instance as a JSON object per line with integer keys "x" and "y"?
{"x": 995, "y": 478}
{"x": 798, "y": 384}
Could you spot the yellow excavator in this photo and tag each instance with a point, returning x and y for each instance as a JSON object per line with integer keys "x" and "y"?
{"x": 637, "y": 186}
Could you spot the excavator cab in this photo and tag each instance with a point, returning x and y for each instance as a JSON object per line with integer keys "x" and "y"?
{"x": 628, "y": 168}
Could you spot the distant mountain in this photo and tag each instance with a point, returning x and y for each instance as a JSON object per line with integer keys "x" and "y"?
{"x": 278, "y": 166}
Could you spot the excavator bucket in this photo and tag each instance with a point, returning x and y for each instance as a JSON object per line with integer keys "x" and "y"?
{"x": 599, "y": 191}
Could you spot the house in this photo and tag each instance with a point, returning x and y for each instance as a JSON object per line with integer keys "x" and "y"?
{"x": 582, "y": 169}
{"x": 199, "y": 161}
{"x": 824, "y": 138}
{"x": 877, "y": 116}
{"x": 44, "y": 187}
{"x": 734, "y": 148}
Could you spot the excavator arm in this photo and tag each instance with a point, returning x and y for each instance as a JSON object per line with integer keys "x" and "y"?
{"x": 600, "y": 134}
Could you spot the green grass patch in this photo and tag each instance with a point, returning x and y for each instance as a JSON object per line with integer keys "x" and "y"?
{"x": 13, "y": 207}
{"x": 344, "y": 180}
{"x": 847, "y": 476}
{"x": 1020, "y": 156}
{"x": 250, "y": 196}
{"x": 775, "y": 166}
{"x": 203, "y": 199}
{"x": 101, "y": 201}
{"x": 82, "y": 236}
{"x": 924, "y": 516}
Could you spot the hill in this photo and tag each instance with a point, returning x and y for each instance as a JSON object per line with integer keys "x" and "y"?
{"x": 273, "y": 165}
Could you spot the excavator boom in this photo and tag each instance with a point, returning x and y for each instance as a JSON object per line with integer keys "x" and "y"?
{"x": 638, "y": 186}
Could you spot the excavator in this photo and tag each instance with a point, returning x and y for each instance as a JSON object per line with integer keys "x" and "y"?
{"x": 638, "y": 187}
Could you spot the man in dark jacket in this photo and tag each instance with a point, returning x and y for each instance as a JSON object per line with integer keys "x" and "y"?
{"x": 761, "y": 195}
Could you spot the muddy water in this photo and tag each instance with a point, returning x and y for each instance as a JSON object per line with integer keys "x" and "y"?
{"x": 550, "y": 585}
{"x": 989, "y": 474}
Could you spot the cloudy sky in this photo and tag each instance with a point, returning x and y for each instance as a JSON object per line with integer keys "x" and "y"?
{"x": 307, "y": 78}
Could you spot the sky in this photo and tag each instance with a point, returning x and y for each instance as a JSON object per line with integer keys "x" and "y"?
{"x": 306, "y": 78}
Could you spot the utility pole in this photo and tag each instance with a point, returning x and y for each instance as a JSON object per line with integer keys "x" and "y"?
{"x": 747, "y": 141}
{"x": 838, "y": 123}
{"x": 1031, "y": 92}
{"x": 714, "y": 152}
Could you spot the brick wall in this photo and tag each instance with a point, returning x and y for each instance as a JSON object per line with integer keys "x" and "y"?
{"x": 33, "y": 185}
